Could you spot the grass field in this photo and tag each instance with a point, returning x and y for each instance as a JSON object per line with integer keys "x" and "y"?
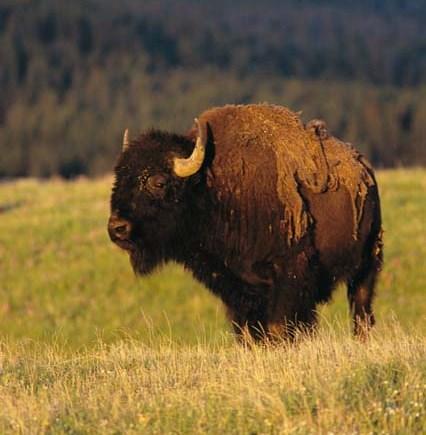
{"x": 86, "y": 347}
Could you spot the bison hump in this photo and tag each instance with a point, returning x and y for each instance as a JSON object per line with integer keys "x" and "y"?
{"x": 263, "y": 155}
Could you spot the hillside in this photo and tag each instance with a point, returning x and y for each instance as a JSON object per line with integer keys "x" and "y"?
{"x": 85, "y": 347}
{"x": 60, "y": 274}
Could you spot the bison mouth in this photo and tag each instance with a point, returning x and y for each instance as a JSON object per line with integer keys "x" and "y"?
{"x": 140, "y": 261}
{"x": 144, "y": 257}
{"x": 127, "y": 245}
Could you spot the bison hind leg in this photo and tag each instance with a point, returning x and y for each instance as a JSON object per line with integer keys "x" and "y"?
{"x": 361, "y": 291}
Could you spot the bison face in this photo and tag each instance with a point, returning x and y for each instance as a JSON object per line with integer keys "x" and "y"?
{"x": 152, "y": 197}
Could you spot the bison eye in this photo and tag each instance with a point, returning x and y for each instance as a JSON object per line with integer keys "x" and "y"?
{"x": 157, "y": 181}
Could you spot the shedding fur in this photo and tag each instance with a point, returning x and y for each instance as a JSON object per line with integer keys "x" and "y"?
{"x": 304, "y": 157}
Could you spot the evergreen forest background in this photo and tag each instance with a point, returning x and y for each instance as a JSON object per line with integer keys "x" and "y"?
{"x": 74, "y": 74}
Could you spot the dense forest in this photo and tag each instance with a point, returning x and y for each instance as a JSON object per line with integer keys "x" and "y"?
{"x": 74, "y": 74}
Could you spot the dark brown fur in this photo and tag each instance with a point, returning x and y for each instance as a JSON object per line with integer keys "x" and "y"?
{"x": 275, "y": 218}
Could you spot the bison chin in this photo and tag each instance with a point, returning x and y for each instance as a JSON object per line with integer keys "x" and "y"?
{"x": 142, "y": 262}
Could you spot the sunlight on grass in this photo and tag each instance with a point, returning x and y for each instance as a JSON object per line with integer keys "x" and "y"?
{"x": 322, "y": 383}
{"x": 86, "y": 347}
{"x": 60, "y": 275}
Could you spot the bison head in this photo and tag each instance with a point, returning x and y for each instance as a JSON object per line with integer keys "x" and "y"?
{"x": 156, "y": 178}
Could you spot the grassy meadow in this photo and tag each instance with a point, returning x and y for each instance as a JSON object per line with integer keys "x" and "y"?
{"x": 86, "y": 347}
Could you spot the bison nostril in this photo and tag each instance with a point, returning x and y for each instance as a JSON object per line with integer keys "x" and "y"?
{"x": 122, "y": 230}
{"x": 119, "y": 229}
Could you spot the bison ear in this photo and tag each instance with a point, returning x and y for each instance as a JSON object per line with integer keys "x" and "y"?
{"x": 125, "y": 140}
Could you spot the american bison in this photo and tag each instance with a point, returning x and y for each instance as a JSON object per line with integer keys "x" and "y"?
{"x": 270, "y": 214}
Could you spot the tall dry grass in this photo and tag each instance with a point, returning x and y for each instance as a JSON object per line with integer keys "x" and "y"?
{"x": 330, "y": 383}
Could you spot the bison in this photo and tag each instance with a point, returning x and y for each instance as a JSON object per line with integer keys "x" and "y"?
{"x": 268, "y": 213}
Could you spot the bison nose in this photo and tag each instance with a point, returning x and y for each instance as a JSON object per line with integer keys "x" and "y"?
{"x": 119, "y": 229}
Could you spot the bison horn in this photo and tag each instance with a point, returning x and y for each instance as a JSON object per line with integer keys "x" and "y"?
{"x": 126, "y": 139}
{"x": 191, "y": 165}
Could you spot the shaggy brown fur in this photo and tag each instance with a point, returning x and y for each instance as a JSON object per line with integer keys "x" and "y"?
{"x": 303, "y": 157}
{"x": 277, "y": 215}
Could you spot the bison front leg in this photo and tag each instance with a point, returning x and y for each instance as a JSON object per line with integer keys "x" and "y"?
{"x": 288, "y": 320}
{"x": 292, "y": 309}
{"x": 272, "y": 321}
{"x": 248, "y": 319}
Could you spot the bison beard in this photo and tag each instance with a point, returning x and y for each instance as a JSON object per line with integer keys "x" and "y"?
{"x": 268, "y": 213}
{"x": 141, "y": 263}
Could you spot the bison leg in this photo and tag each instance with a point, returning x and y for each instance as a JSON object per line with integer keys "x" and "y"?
{"x": 289, "y": 322}
{"x": 278, "y": 322}
{"x": 292, "y": 303}
{"x": 360, "y": 296}
{"x": 361, "y": 292}
{"x": 249, "y": 323}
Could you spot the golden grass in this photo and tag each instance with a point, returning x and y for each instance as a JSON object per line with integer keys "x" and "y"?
{"x": 325, "y": 384}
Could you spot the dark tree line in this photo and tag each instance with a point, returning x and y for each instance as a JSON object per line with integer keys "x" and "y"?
{"x": 74, "y": 74}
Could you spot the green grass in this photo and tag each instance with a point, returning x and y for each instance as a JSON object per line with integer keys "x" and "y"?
{"x": 86, "y": 347}
{"x": 60, "y": 274}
